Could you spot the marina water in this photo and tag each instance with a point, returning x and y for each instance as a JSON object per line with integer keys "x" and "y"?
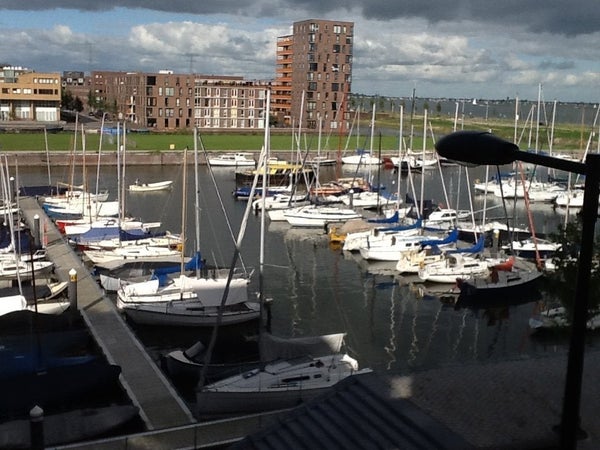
{"x": 317, "y": 289}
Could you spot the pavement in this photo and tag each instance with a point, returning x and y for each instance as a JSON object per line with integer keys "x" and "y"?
{"x": 506, "y": 405}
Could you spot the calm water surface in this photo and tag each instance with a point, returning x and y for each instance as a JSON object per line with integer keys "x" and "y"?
{"x": 318, "y": 290}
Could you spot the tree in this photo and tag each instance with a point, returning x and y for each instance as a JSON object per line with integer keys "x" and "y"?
{"x": 561, "y": 282}
{"x": 77, "y": 104}
{"x": 67, "y": 99}
{"x": 92, "y": 103}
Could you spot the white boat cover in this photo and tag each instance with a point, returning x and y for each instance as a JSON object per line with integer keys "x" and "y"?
{"x": 273, "y": 347}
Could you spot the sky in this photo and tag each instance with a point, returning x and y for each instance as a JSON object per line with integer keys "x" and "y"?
{"x": 484, "y": 49}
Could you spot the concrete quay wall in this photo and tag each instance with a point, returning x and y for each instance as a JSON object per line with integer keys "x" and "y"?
{"x": 132, "y": 158}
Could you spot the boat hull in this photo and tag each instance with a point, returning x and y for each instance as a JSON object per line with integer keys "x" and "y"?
{"x": 219, "y": 404}
{"x": 164, "y": 314}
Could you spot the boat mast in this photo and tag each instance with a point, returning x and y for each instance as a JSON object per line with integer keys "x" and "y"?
{"x": 422, "y": 169}
{"x": 197, "y": 196}
{"x": 399, "y": 172}
{"x": 124, "y": 147}
{"x": 261, "y": 261}
{"x": 183, "y": 210}
{"x": 99, "y": 154}
{"x": 537, "y": 126}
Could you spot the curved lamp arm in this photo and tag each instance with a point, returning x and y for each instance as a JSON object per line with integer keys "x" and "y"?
{"x": 483, "y": 148}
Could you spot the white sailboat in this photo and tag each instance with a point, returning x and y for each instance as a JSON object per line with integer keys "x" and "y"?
{"x": 191, "y": 300}
{"x": 283, "y": 383}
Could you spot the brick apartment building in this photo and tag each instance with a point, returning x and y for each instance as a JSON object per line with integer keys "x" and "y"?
{"x": 314, "y": 74}
{"x": 166, "y": 101}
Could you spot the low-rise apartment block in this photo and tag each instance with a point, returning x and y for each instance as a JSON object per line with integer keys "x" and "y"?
{"x": 166, "y": 101}
{"x": 26, "y": 95}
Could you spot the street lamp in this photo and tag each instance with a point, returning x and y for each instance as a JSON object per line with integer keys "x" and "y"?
{"x": 483, "y": 148}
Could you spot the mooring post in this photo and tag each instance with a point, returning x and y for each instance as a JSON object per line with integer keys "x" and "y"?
{"x": 36, "y": 427}
{"x": 73, "y": 290}
{"x": 36, "y": 231}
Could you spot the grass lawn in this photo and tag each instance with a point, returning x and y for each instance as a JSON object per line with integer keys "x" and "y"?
{"x": 568, "y": 137}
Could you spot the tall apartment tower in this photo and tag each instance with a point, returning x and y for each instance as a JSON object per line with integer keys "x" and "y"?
{"x": 314, "y": 75}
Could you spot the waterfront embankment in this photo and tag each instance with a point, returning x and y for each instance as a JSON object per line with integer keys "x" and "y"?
{"x": 132, "y": 158}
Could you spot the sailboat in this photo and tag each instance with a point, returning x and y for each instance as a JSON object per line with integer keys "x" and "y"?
{"x": 282, "y": 383}
{"x": 284, "y": 379}
{"x": 190, "y": 300}
{"x": 511, "y": 280}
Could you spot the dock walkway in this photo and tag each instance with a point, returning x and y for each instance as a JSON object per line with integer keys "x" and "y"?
{"x": 159, "y": 404}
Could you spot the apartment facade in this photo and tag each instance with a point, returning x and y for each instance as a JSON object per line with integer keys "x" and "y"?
{"x": 314, "y": 74}
{"x": 26, "y": 95}
{"x": 166, "y": 101}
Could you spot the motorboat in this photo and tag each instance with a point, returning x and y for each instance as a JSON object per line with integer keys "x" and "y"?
{"x": 318, "y": 215}
{"x": 237, "y": 159}
{"x": 150, "y": 187}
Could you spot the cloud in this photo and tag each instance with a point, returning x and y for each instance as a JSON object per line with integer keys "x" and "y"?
{"x": 552, "y": 16}
{"x": 469, "y": 48}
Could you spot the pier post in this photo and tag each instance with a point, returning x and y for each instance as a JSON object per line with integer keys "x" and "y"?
{"x": 36, "y": 428}
{"x": 36, "y": 231}
{"x": 73, "y": 290}
{"x": 13, "y": 189}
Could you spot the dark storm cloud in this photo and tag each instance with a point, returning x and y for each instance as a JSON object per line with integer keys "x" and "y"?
{"x": 540, "y": 16}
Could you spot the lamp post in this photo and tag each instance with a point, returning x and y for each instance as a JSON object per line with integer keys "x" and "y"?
{"x": 483, "y": 148}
